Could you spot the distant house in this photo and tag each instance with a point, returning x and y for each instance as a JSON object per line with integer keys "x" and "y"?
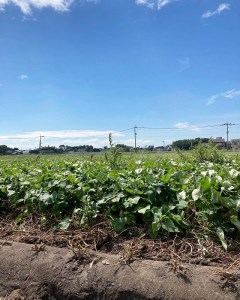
{"x": 219, "y": 142}
{"x": 159, "y": 148}
{"x": 70, "y": 152}
{"x": 13, "y": 152}
{"x": 9, "y": 152}
{"x": 17, "y": 152}
{"x": 163, "y": 149}
{"x": 235, "y": 143}
{"x": 81, "y": 151}
{"x": 25, "y": 152}
{"x": 47, "y": 151}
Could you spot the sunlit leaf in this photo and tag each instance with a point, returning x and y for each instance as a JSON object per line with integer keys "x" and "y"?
{"x": 221, "y": 236}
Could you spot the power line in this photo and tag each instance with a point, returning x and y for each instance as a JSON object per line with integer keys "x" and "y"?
{"x": 13, "y": 138}
{"x": 185, "y": 130}
{"x": 178, "y": 128}
{"x": 126, "y": 129}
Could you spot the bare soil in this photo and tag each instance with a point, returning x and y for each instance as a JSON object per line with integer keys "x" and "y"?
{"x": 43, "y": 272}
{"x": 96, "y": 263}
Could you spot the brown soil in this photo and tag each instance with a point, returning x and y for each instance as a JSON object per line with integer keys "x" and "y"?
{"x": 43, "y": 272}
{"x": 97, "y": 263}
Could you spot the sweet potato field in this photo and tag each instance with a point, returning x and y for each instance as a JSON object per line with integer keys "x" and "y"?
{"x": 159, "y": 195}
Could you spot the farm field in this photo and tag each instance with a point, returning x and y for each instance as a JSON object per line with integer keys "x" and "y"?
{"x": 181, "y": 208}
{"x": 159, "y": 194}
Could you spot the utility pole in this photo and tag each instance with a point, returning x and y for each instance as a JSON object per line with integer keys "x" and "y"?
{"x": 135, "y": 137}
{"x": 40, "y": 142}
{"x": 228, "y": 124}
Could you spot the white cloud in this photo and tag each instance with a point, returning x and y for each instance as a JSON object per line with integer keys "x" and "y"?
{"x": 231, "y": 94}
{"x": 182, "y": 125}
{"x": 26, "y": 6}
{"x": 63, "y": 134}
{"x": 157, "y": 4}
{"x": 162, "y": 3}
{"x": 218, "y": 11}
{"x": 228, "y": 95}
{"x": 184, "y": 64}
{"x": 186, "y": 126}
{"x": 70, "y": 137}
{"x": 96, "y": 138}
{"x": 147, "y": 3}
{"x": 22, "y": 76}
{"x": 131, "y": 142}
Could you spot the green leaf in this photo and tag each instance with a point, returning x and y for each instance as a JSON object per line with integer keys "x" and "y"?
{"x": 144, "y": 210}
{"x": 166, "y": 178}
{"x": 102, "y": 201}
{"x": 138, "y": 171}
{"x": 169, "y": 225}
{"x": 179, "y": 220}
{"x": 11, "y": 192}
{"x": 118, "y": 224}
{"x": 102, "y": 177}
{"x": 227, "y": 202}
{"x": 46, "y": 198}
{"x": 181, "y": 195}
{"x": 116, "y": 199}
{"x": 130, "y": 191}
{"x": 234, "y": 220}
{"x": 205, "y": 183}
{"x": 182, "y": 204}
{"x": 238, "y": 205}
{"x": 220, "y": 234}
{"x": 19, "y": 218}
{"x": 196, "y": 194}
{"x": 129, "y": 218}
{"x": 131, "y": 201}
{"x": 64, "y": 224}
{"x": 153, "y": 230}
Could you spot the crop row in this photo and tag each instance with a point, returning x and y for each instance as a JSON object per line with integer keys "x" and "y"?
{"x": 161, "y": 195}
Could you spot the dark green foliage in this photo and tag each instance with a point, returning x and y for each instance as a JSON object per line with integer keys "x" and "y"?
{"x": 159, "y": 195}
{"x": 207, "y": 152}
{"x": 114, "y": 155}
{"x": 188, "y": 144}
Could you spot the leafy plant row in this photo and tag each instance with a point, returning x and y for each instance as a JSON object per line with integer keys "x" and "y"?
{"x": 159, "y": 195}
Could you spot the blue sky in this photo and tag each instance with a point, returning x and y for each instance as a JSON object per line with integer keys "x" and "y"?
{"x": 74, "y": 71}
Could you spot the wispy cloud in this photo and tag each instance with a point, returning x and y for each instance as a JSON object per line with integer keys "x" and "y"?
{"x": 218, "y": 11}
{"x": 96, "y": 138}
{"x": 72, "y": 134}
{"x": 186, "y": 126}
{"x": 146, "y": 3}
{"x": 22, "y": 76}
{"x": 26, "y": 6}
{"x": 162, "y": 3}
{"x": 228, "y": 95}
{"x": 26, "y": 140}
{"x": 184, "y": 64}
{"x": 154, "y": 4}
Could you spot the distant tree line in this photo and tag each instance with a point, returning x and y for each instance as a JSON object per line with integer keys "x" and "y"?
{"x": 5, "y": 149}
{"x": 188, "y": 144}
{"x": 65, "y": 149}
